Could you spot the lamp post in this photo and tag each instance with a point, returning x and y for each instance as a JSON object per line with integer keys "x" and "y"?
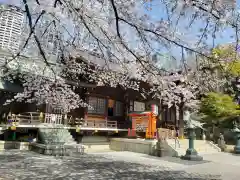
{"x": 191, "y": 153}
{"x": 237, "y": 146}
{"x": 236, "y": 124}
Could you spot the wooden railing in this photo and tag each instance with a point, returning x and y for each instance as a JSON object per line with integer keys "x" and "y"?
{"x": 25, "y": 118}
{"x": 33, "y": 118}
{"x": 100, "y": 124}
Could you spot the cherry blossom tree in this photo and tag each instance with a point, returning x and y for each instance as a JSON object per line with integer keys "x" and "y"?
{"x": 118, "y": 37}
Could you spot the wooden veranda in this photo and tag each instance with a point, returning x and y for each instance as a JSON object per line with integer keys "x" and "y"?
{"x": 41, "y": 120}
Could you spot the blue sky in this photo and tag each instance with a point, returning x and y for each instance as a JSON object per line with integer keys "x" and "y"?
{"x": 10, "y": 1}
{"x": 223, "y": 37}
{"x": 159, "y": 12}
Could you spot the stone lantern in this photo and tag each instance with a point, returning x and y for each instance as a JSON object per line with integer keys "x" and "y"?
{"x": 191, "y": 153}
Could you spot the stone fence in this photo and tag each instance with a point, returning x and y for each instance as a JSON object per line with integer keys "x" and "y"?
{"x": 164, "y": 134}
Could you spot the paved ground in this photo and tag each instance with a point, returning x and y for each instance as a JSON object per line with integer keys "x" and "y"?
{"x": 115, "y": 165}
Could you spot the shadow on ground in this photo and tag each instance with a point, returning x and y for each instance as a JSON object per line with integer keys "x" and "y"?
{"x": 15, "y": 165}
{"x": 178, "y": 160}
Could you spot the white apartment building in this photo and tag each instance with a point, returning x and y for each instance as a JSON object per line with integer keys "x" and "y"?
{"x": 11, "y": 22}
{"x": 229, "y": 3}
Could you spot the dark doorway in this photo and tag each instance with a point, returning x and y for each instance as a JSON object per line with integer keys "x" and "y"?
{"x": 111, "y": 107}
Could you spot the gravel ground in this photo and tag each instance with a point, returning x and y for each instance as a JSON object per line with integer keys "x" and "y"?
{"x": 108, "y": 165}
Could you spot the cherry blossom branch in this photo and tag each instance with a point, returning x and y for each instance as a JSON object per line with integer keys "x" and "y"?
{"x": 116, "y": 18}
{"x": 33, "y": 32}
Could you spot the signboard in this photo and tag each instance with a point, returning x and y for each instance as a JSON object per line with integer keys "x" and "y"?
{"x": 141, "y": 123}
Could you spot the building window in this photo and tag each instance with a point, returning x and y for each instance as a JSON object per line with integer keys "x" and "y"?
{"x": 98, "y": 105}
{"x": 139, "y": 106}
{"x": 118, "y": 108}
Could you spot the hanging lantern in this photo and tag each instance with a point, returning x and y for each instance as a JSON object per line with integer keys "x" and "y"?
{"x": 13, "y": 128}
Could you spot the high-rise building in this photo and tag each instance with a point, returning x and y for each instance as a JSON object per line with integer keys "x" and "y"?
{"x": 11, "y": 22}
{"x": 232, "y": 4}
{"x": 225, "y": 5}
{"x": 165, "y": 61}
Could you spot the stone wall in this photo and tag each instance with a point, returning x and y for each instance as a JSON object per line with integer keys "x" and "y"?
{"x": 4, "y": 145}
{"x": 133, "y": 145}
{"x": 150, "y": 147}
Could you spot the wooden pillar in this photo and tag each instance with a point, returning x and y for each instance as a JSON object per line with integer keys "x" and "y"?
{"x": 126, "y": 111}
{"x": 86, "y": 109}
{"x": 133, "y": 134}
{"x": 80, "y": 112}
{"x": 174, "y": 113}
{"x": 126, "y": 105}
{"x": 149, "y": 128}
{"x": 106, "y": 108}
{"x": 181, "y": 122}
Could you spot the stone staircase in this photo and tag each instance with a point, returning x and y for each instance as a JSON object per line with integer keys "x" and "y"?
{"x": 91, "y": 144}
{"x": 56, "y": 141}
{"x": 59, "y": 135}
{"x": 202, "y": 147}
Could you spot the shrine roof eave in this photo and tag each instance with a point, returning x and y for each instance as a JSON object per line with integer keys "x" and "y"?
{"x": 81, "y": 84}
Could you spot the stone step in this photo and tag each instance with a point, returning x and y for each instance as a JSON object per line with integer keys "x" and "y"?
{"x": 62, "y": 134}
{"x": 202, "y": 147}
{"x": 208, "y": 147}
